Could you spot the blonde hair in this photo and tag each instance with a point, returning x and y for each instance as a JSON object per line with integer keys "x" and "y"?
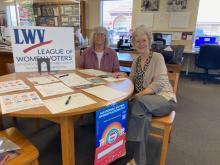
{"x": 140, "y": 31}
{"x": 99, "y": 30}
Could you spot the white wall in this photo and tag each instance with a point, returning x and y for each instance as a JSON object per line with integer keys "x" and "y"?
{"x": 161, "y": 18}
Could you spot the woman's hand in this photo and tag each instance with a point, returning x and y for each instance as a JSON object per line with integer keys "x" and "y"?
{"x": 146, "y": 91}
{"x": 119, "y": 75}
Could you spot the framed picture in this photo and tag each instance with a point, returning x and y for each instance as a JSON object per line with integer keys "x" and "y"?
{"x": 65, "y": 24}
{"x": 176, "y": 5}
{"x": 68, "y": 10}
{"x": 149, "y": 5}
{"x": 72, "y": 18}
{"x": 64, "y": 19}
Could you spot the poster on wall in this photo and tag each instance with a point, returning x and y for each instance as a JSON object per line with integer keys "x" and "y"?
{"x": 26, "y": 13}
{"x": 111, "y": 126}
{"x": 149, "y": 5}
{"x": 176, "y": 5}
{"x": 33, "y": 42}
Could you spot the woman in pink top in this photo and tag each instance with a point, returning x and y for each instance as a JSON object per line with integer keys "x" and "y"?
{"x": 99, "y": 56}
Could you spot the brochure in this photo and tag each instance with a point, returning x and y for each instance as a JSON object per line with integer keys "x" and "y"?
{"x": 17, "y": 102}
{"x": 11, "y": 86}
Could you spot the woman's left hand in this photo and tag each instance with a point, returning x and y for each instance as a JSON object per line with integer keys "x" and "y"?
{"x": 119, "y": 75}
{"x": 146, "y": 91}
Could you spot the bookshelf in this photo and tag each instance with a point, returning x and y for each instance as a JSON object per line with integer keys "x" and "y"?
{"x": 65, "y": 14}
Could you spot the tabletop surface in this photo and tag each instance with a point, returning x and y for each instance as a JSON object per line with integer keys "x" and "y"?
{"x": 125, "y": 86}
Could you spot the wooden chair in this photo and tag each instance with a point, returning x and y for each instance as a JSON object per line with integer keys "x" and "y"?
{"x": 164, "y": 123}
{"x": 28, "y": 155}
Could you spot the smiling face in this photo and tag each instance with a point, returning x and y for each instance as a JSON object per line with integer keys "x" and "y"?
{"x": 141, "y": 39}
{"x": 141, "y": 44}
{"x": 99, "y": 39}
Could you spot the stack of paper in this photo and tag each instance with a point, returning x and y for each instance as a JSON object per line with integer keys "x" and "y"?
{"x": 93, "y": 72}
{"x": 53, "y": 89}
{"x": 10, "y": 86}
{"x": 45, "y": 79}
{"x": 112, "y": 79}
{"x": 60, "y": 104}
{"x": 17, "y": 102}
{"x": 105, "y": 92}
{"x": 96, "y": 80}
{"x": 72, "y": 79}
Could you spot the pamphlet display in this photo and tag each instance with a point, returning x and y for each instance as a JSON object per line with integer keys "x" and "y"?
{"x": 111, "y": 129}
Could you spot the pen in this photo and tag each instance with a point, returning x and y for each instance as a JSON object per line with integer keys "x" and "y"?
{"x": 68, "y": 100}
{"x": 64, "y": 75}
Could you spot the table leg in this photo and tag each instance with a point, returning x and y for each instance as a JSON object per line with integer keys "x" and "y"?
{"x": 187, "y": 65}
{"x": 67, "y": 140}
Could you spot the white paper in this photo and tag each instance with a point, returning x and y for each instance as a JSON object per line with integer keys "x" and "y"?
{"x": 179, "y": 19}
{"x": 11, "y": 86}
{"x": 17, "y": 102}
{"x": 42, "y": 79}
{"x": 93, "y": 72}
{"x": 112, "y": 79}
{"x": 189, "y": 37}
{"x": 53, "y": 89}
{"x": 176, "y": 35}
{"x": 146, "y": 19}
{"x": 168, "y": 48}
{"x": 57, "y": 105}
{"x": 104, "y": 92}
{"x": 72, "y": 79}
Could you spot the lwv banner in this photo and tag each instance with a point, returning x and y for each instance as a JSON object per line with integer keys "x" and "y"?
{"x": 55, "y": 43}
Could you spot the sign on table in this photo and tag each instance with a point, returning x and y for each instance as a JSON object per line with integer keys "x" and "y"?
{"x": 55, "y": 43}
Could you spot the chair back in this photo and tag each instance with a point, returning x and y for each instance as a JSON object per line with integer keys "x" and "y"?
{"x": 10, "y": 67}
{"x": 173, "y": 75}
{"x": 209, "y": 57}
{"x": 174, "y": 80}
{"x": 171, "y": 57}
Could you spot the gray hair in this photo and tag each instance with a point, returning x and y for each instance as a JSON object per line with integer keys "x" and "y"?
{"x": 140, "y": 31}
{"x": 99, "y": 30}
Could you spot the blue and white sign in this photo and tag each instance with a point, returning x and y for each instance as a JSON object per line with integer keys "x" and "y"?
{"x": 32, "y": 42}
{"x": 111, "y": 126}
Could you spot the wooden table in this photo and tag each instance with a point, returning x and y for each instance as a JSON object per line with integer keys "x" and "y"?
{"x": 66, "y": 119}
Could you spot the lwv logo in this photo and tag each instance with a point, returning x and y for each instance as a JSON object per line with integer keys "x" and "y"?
{"x": 30, "y": 36}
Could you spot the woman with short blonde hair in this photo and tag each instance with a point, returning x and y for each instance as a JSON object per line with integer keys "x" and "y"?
{"x": 153, "y": 95}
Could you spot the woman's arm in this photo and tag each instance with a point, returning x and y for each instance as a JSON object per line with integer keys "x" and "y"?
{"x": 82, "y": 60}
{"x": 160, "y": 77}
{"x": 116, "y": 65}
{"x": 133, "y": 71}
